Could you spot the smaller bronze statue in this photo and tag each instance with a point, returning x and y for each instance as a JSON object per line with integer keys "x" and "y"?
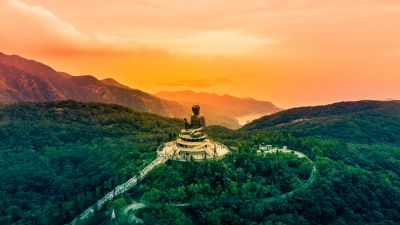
{"x": 197, "y": 123}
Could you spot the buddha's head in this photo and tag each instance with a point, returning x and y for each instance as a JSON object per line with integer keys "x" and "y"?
{"x": 196, "y": 109}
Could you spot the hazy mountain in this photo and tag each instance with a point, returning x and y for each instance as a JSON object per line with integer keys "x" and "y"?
{"x": 27, "y": 80}
{"x": 24, "y": 80}
{"x": 226, "y": 110}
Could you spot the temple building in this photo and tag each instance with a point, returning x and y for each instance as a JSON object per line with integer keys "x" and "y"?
{"x": 192, "y": 143}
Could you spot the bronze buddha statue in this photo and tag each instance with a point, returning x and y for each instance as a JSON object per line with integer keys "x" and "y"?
{"x": 197, "y": 124}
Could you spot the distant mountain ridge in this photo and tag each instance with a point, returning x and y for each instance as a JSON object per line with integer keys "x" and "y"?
{"x": 112, "y": 82}
{"x": 225, "y": 109}
{"x": 24, "y": 80}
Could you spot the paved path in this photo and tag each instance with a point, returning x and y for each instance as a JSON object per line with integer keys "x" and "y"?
{"x": 274, "y": 150}
{"x": 120, "y": 189}
{"x": 133, "y": 207}
{"x": 164, "y": 152}
{"x": 305, "y": 185}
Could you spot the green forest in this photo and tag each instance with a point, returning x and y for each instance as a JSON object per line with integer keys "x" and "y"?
{"x": 241, "y": 176}
{"x": 58, "y": 158}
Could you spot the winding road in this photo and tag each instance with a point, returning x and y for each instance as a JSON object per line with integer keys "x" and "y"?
{"x": 138, "y": 205}
{"x": 164, "y": 154}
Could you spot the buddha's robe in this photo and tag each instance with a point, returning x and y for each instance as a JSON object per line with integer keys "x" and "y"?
{"x": 196, "y": 126}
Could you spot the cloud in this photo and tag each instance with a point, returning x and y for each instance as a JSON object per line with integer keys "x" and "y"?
{"x": 35, "y": 29}
{"x": 39, "y": 14}
{"x": 198, "y": 83}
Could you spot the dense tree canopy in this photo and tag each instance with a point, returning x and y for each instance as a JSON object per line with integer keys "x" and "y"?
{"x": 363, "y": 121}
{"x": 58, "y": 158}
{"x": 238, "y": 177}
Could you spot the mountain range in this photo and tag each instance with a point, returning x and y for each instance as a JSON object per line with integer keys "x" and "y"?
{"x": 24, "y": 80}
{"x": 226, "y": 110}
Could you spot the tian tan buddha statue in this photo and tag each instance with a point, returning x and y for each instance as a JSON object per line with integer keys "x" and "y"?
{"x": 194, "y": 129}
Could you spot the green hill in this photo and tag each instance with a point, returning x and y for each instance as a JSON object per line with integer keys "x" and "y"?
{"x": 58, "y": 158}
{"x": 362, "y": 121}
{"x": 358, "y": 179}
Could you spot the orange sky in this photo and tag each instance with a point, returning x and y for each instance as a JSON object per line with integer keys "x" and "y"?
{"x": 293, "y": 53}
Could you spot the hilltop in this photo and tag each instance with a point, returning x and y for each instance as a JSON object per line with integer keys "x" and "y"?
{"x": 360, "y": 121}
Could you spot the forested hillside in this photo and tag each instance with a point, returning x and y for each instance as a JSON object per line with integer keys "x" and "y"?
{"x": 362, "y": 121}
{"x": 354, "y": 146}
{"x": 58, "y": 158}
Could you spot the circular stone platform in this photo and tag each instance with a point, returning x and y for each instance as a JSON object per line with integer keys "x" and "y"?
{"x": 182, "y": 150}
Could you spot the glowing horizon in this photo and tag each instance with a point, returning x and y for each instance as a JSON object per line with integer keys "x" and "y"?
{"x": 292, "y": 53}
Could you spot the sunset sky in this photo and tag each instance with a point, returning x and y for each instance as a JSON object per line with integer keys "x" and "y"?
{"x": 293, "y": 53}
